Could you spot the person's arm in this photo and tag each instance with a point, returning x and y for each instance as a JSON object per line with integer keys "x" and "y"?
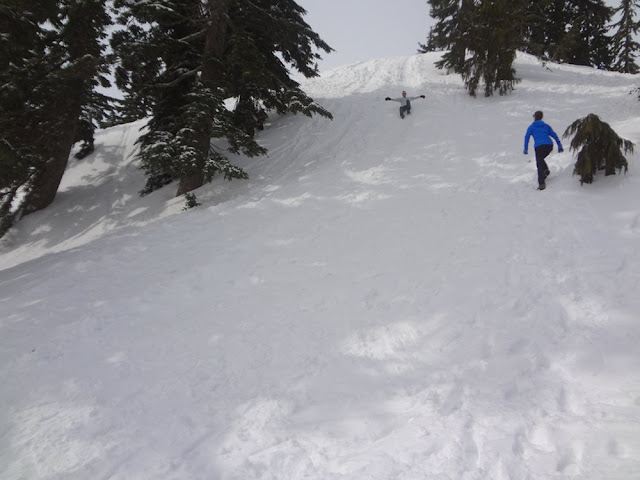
{"x": 419, "y": 96}
{"x": 392, "y": 99}
{"x": 553, "y": 135}
{"x": 526, "y": 141}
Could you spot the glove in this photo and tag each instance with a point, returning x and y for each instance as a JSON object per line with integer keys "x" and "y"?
{"x": 560, "y": 149}
{"x": 421, "y": 96}
{"x": 525, "y": 152}
{"x": 387, "y": 99}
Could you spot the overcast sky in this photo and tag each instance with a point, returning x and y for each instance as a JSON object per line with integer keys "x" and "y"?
{"x": 366, "y": 29}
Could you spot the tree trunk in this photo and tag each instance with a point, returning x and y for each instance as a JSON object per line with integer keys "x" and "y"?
{"x": 80, "y": 37}
{"x": 46, "y": 182}
{"x": 216, "y": 34}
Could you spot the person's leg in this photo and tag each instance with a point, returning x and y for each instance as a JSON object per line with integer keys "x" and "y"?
{"x": 541, "y": 153}
{"x": 403, "y": 109}
{"x": 408, "y": 107}
{"x": 545, "y": 154}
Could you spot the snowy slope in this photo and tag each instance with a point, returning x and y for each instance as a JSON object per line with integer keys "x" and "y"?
{"x": 383, "y": 299}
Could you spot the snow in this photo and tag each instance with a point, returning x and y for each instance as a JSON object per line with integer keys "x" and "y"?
{"x": 382, "y": 299}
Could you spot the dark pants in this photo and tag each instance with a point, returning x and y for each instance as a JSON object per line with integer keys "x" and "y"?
{"x": 542, "y": 152}
{"x": 405, "y": 108}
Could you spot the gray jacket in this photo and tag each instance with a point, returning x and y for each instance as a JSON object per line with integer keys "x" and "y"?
{"x": 403, "y": 100}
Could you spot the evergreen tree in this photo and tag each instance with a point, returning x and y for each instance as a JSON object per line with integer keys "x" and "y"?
{"x": 74, "y": 67}
{"x": 54, "y": 61}
{"x": 586, "y": 41}
{"x": 200, "y": 54}
{"x": 600, "y": 148}
{"x": 625, "y": 46}
{"x": 19, "y": 41}
{"x": 451, "y": 32}
{"x": 429, "y": 46}
{"x": 137, "y": 66}
{"x": 573, "y": 31}
{"x": 481, "y": 38}
{"x": 254, "y": 75}
{"x": 494, "y": 38}
{"x": 98, "y": 111}
{"x": 544, "y": 24}
{"x": 14, "y": 172}
{"x": 158, "y": 59}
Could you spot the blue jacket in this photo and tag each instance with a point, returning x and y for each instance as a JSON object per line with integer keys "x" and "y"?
{"x": 542, "y": 134}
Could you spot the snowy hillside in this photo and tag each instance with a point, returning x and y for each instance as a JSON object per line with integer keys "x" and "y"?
{"x": 383, "y": 299}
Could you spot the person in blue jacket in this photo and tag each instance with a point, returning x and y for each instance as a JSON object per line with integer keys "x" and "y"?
{"x": 542, "y": 135}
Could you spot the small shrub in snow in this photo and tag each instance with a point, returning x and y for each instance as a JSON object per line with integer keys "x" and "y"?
{"x": 190, "y": 201}
{"x": 600, "y": 148}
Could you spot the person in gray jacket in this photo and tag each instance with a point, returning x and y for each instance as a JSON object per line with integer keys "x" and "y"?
{"x": 405, "y": 103}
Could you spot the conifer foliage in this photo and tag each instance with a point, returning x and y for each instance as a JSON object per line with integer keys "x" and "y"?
{"x": 568, "y": 31}
{"x": 493, "y": 40}
{"x": 545, "y": 24}
{"x": 182, "y": 60}
{"x": 178, "y": 62}
{"x": 625, "y": 46}
{"x": 600, "y": 148}
{"x": 52, "y": 59}
{"x": 454, "y": 19}
{"x": 586, "y": 41}
{"x": 480, "y": 39}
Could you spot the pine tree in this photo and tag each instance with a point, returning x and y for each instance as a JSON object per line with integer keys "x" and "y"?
{"x": 188, "y": 58}
{"x": 255, "y": 76}
{"x": 430, "y": 45}
{"x": 54, "y": 60}
{"x": 600, "y": 148}
{"x": 169, "y": 63}
{"x": 14, "y": 172}
{"x": 544, "y": 24}
{"x": 586, "y": 41}
{"x": 50, "y": 58}
{"x": 19, "y": 42}
{"x": 451, "y": 32}
{"x": 481, "y": 38}
{"x": 138, "y": 65}
{"x": 573, "y": 31}
{"x": 494, "y": 39}
{"x": 75, "y": 66}
{"x": 98, "y": 111}
{"x": 625, "y": 47}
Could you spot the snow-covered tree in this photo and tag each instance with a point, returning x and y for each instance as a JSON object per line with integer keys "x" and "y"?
{"x": 186, "y": 58}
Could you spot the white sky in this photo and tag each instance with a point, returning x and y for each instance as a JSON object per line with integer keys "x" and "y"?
{"x": 364, "y": 29}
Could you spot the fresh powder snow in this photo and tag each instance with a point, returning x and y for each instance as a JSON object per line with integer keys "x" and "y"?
{"x": 382, "y": 299}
